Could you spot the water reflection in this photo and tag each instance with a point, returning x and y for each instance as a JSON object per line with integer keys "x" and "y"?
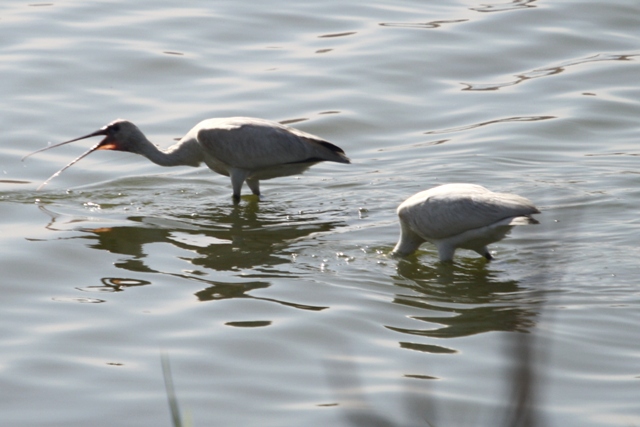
{"x": 225, "y": 239}
{"x": 250, "y": 324}
{"x": 13, "y": 181}
{"x": 422, "y": 25}
{"x": 115, "y": 284}
{"x": 460, "y": 300}
{"x": 230, "y": 238}
{"x": 490, "y": 122}
{"x": 348, "y": 33}
{"x": 547, "y": 71}
{"x": 502, "y": 7}
{"x": 219, "y": 291}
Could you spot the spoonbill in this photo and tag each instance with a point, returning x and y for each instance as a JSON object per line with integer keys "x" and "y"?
{"x": 243, "y": 148}
{"x": 455, "y": 216}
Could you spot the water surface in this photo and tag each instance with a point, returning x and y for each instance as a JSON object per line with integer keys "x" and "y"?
{"x": 289, "y": 311}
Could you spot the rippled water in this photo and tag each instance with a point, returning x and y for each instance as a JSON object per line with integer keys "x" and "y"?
{"x": 289, "y": 312}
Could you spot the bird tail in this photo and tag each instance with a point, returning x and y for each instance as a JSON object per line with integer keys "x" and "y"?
{"x": 329, "y": 152}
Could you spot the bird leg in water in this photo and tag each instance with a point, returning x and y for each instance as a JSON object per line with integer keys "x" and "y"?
{"x": 254, "y": 185}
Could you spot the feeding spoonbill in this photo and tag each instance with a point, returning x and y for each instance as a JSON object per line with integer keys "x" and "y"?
{"x": 455, "y": 216}
{"x": 245, "y": 149}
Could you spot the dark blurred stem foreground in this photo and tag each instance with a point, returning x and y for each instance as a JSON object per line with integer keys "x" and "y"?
{"x": 522, "y": 410}
{"x": 521, "y": 397}
{"x": 523, "y": 377}
{"x": 171, "y": 393}
{"x": 524, "y": 383}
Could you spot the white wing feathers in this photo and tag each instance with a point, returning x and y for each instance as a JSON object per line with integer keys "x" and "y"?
{"x": 248, "y": 143}
{"x": 451, "y": 209}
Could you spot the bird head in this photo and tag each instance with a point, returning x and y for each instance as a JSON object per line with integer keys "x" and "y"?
{"x": 119, "y": 135}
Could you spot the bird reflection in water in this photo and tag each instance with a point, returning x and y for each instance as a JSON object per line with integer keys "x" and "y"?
{"x": 460, "y": 300}
{"x": 115, "y": 284}
{"x": 231, "y": 238}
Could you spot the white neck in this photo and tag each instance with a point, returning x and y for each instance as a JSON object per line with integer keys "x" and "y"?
{"x": 184, "y": 153}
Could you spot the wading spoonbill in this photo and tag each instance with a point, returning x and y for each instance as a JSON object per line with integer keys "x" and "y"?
{"x": 245, "y": 149}
{"x": 455, "y": 216}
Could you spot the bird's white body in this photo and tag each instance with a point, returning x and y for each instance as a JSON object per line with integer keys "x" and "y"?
{"x": 455, "y": 216}
{"x": 243, "y": 148}
{"x": 251, "y": 150}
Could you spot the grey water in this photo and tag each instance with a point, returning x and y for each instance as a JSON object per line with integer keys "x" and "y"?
{"x": 289, "y": 311}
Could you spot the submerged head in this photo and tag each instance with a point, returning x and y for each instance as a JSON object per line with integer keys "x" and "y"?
{"x": 119, "y": 135}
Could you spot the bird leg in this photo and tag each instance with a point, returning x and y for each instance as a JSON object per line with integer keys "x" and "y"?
{"x": 445, "y": 251}
{"x": 254, "y": 185}
{"x": 238, "y": 177}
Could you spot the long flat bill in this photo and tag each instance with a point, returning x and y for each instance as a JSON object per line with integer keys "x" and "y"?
{"x": 92, "y": 134}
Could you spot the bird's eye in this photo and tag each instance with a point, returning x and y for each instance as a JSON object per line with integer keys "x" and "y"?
{"x": 115, "y": 128}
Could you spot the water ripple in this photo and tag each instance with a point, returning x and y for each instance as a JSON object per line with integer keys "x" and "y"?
{"x": 502, "y": 7}
{"x": 348, "y": 33}
{"x": 422, "y": 25}
{"x": 548, "y": 71}
{"x": 491, "y": 122}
